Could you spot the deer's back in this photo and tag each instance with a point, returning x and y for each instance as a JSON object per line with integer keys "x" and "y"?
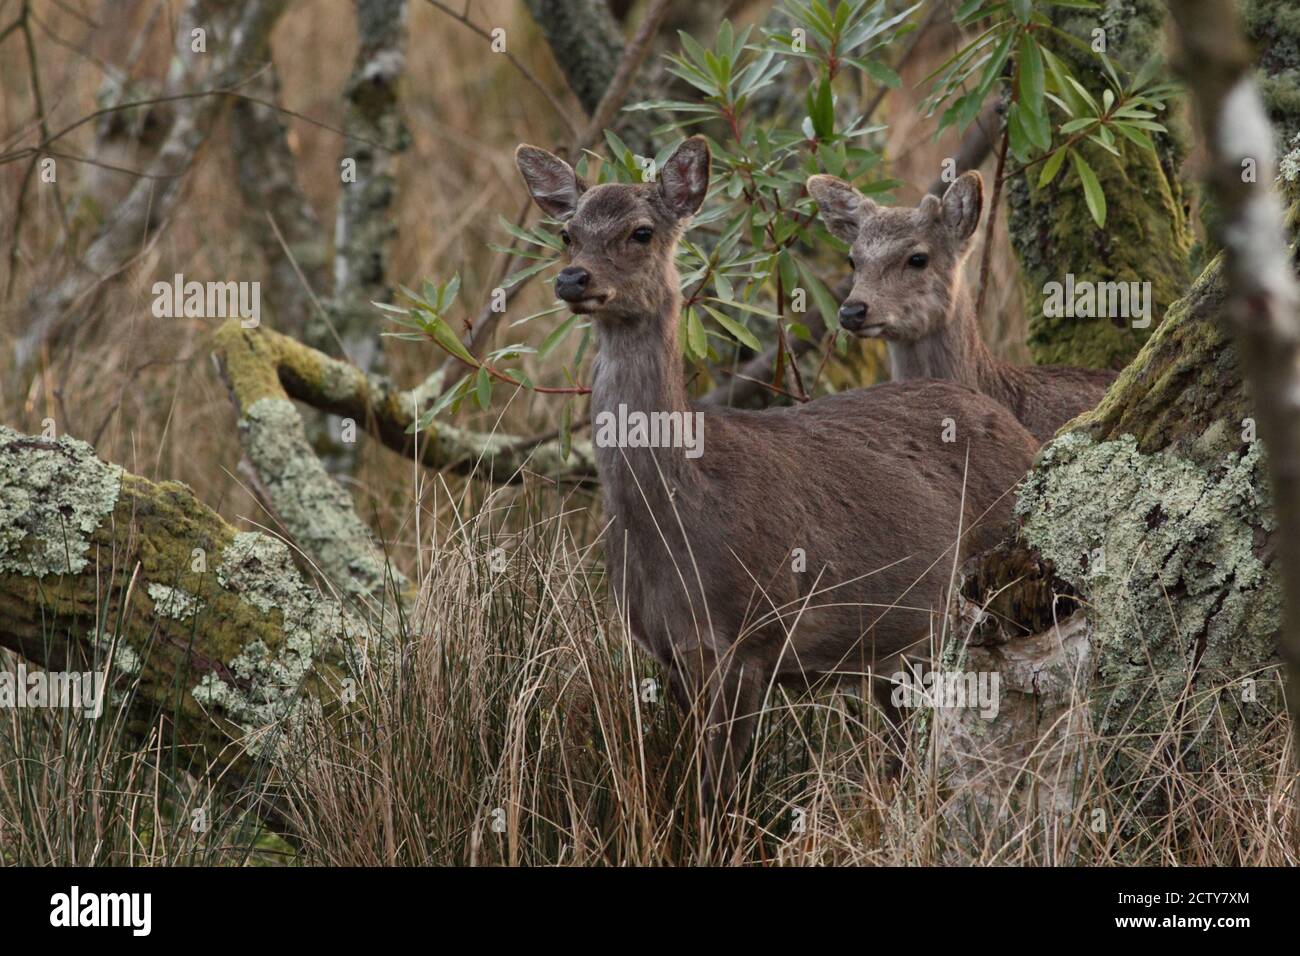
{"x": 864, "y": 485}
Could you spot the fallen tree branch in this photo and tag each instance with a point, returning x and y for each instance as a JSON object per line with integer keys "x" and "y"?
{"x": 212, "y": 630}
{"x": 316, "y": 512}
{"x": 260, "y": 363}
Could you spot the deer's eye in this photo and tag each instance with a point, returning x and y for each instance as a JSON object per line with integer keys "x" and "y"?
{"x": 564, "y": 235}
{"x": 918, "y": 260}
{"x": 852, "y": 264}
{"x": 642, "y": 233}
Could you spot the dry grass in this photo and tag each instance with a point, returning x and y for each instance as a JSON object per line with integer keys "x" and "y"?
{"x": 517, "y": 729}
{"x": 519, "y": 725}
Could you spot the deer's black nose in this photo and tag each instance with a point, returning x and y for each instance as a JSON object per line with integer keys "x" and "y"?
{"x": 571, "y": 283}
{"x": 853, "y": 314}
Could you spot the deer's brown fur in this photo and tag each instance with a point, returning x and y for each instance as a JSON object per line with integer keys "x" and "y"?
{"x": 701, "y": 552}
{"x": 924, "y": 312}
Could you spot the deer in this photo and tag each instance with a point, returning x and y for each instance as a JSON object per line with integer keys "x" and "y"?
{"x": 908, "y": 289}
{"x": 796, "y": 543}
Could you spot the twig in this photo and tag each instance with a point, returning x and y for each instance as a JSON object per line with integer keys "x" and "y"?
{"x": 987, "y": 254}
{"x": 634, "y": 54}
{"x": 774, "y": 389}
{"x": 503, "y": 377}
{"x": 233, "y": 93}
{"x": 560, "y": 109}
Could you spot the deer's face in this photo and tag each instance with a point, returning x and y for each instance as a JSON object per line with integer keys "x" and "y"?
{"x": 906, "y": 262}
{"x": 619, "y": 244}
{"x": 619, "y": 238}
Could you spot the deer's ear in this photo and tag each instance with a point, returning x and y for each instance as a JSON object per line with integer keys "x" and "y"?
{"x": 841, "y": 206}
{"x": 553, "y": 184}
{"x": 684, "y": 180}
{"x": 962, "y": 204}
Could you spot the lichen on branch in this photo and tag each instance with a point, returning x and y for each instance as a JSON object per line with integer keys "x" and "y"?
{"x": 215, "y": 630}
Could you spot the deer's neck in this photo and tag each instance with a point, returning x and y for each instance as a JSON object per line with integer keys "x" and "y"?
{"x": 639, "y": 371}
{"x": 954, "y": 351}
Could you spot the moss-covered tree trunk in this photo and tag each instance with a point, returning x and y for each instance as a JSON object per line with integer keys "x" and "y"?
{"x": 213, "y": 632}
{"x": 1146, "y": 236}
{"x": 1273, "y": 27}
{"x": 1148, "y": 523}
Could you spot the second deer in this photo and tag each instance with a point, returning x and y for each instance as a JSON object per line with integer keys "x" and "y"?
{"x": 908, "y": 289}
{"x": 786, "y": 545}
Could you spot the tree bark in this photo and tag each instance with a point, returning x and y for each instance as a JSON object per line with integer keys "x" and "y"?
{"x": 213, "y": 630}
{"x": 1150, "y": 522}
{"x": 1274, "y": 29}
{"x": 364, "y": 230}
{"x": 585, "y": 40}
{"x": 1263, "y": 300}
{"x": 278, "y": 216}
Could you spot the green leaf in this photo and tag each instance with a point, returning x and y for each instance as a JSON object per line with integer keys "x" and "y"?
{"x": 822, "y": 297}
{"x": 1148, "y": 70}
{"x": 519, "y": 275}
{"x": 1083, "y": 94}
{"x": 723, "y": 286}
{"x": 1106, "y": 141}
{"x": 1051, "y": 167}
{"x": 748, "y": 307}
{"x": 695, "y": 342}
{"x": 882, "y": 74}
{"x": 992, "y": 70}
{"x": 1016, "y": 135}
{"x": 556, "y": 336}
{"x": 734, "y": 328}
{"x": 1134, "y": 135}
{"x": 447, "y": 294}
{"x": 566, "y": 430}
{"x": 1037, "y": 127}
{"x": 822, "y": 110}
{"x": 451, "y": 396}
{"x": 583, "y": 344}
{"x": 448, "y": 339}
{"x": 1075, "y": 125}
{"x": 1092, "y": 193}
{"x": 1032, "y": 77}
{"x": 483, "y": 388}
